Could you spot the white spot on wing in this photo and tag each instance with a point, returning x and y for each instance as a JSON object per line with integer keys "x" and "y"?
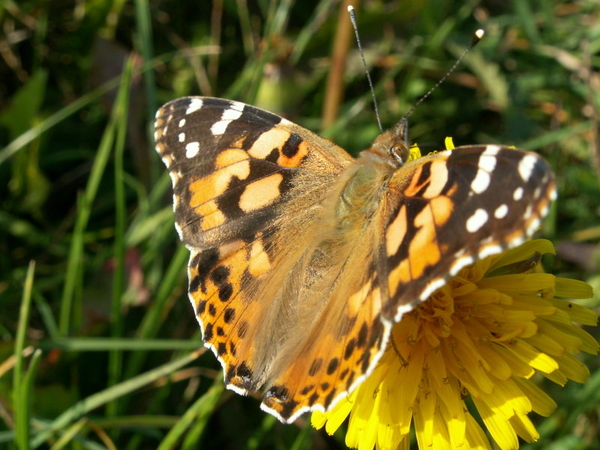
{"x": 535, "y": 224}
{"x": 229, "y": 115}
{"x": 489, "y": 251}
{"x": 219, "y": 127}
{"x": 178, "y": 229}
{"x": 175, "y": 177}
{"x": 518, "y": 194}
{"x": 491, "y": 150}
{"x": 501, "y": 211}
{"x": 526, "y": 166}
{"x": 181, "y": 123}
{"x": 460, "y": 263}
{"x": 481, "y": 181}
{"x": 239, "y": 106}
{"x": 192, "y": 149}
{"x": 406, "y": 308}
{"x": 487, "y": 163}
{"x": 477, "y": 220}
{"x": 195, "y": 105}
{"x": 181, "y": 137}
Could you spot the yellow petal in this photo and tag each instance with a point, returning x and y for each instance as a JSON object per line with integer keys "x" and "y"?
{"x": 524, "y": 428}
{"x": 475, "y": 435}
{"x": 523, "y": 252}
{"x": 518, "y": 283}
{"x": 423, "y": 416}
{"x": 498, "y": 426}
{"x": 499, "y": 368}
{"x": 541, "y": 402}
{"x": 568, "y": 288}
{"x": 572, "y": 368}
{"x": 576, "y": 313}
{"x": 532, "y": 356}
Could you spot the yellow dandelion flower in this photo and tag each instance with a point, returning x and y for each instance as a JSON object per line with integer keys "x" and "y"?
{"x": 482, "y": 336}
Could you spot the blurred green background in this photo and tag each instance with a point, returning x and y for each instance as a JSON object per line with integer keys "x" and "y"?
{"x": 99, "y": 345}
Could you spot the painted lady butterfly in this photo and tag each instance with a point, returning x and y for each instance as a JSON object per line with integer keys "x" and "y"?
{"x": 302, "y": 257}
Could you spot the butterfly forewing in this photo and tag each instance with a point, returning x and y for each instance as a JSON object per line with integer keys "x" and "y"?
{"x": 234, "y": 167}
{"x": 302, "y": 257}
{"x": 454, "y": 207}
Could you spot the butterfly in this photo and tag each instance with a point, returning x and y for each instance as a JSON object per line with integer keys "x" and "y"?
{"x": 303, "y": 257}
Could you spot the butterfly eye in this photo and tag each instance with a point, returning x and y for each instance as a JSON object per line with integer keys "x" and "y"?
{"x": 399, "y": 153}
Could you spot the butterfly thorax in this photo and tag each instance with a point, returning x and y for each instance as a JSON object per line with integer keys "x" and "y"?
{"x": 361, "y": 188}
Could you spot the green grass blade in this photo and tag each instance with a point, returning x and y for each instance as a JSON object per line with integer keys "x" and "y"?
{"x": 302, "y": 440}
{"x": 150, "y": 325}
{"x": 246, "y": 27}
{"x": 197, "y": 414}
{"x": 144, "y": 28}
{"x": 266, "y": 426}
{"x": 101, "y": 398}
{"x": 115, "y": 360}
{"x": 20, "y": 391}
{"x": 37, "y": 130}
{"x": 85, "y": 204}
{"x": 90, "y": 344}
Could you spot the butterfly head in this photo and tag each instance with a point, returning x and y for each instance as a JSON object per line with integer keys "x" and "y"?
{"x": 392, "y": 145}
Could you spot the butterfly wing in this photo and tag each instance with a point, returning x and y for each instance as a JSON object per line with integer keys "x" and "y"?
{"x": 248, "y": 187}
{"x": 234, "y": 167}
{"x": 455, "y": 207}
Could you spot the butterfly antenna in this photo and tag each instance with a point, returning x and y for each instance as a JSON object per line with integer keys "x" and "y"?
{"x": 476, "y": 38}
{"x": 362, "y": 56}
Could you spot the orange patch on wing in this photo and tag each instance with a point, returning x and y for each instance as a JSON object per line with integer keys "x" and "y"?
{"x": 230, "y": 248}
{"x": 333, "y": 361}
{"x": 399, "y": 275}
{"x": 396, "y": 232}
{"x": 215, "y": 184}
{"x": 211, "y": 215}
{"x": 260, "y": 193}
{"x": 230, "y": 157}
{"x": 437, "y": 179}
{"x": 233, "y": 262}
{"x": 259, "y": 260}
{"x": 296, "y": 159}
{"x": 227, "y": 315}
{"x": 424, "y": 250}
{"x": 443, "y": 207}
{"x": 356, "y": 301}
{"x": 264, "y": 145}
{"x": 414, "y": 187}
